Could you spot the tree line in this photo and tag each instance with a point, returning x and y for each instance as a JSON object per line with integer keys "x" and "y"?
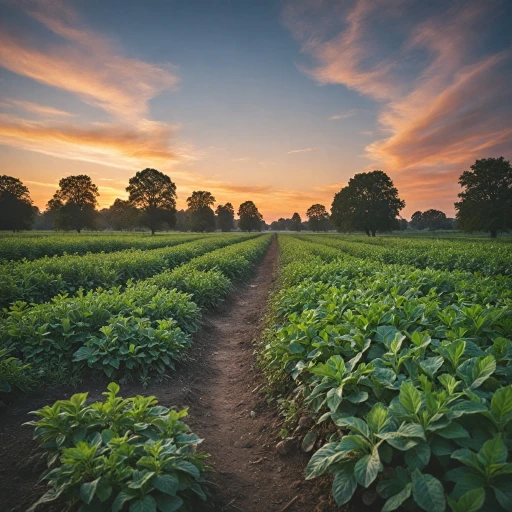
{"x": 369, "y": 203}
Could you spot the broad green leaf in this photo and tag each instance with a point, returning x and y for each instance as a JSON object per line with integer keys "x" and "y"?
{"x": 356, "y": 398}
{"x": 410, "y": 397}
{"x": 428, "y": 492}
{"x": 344, "y": 485}
{"x": 453, "y": 431}
{"x": 482, "y": 370}
{"x": 470, "y": 502}
{"x": 468, "y": 458}
{"x": 377, "y": 417}
{"x": 395, "y": 501}
{"x": 367, "y": 468}
{"x": 167, "y": 484}
{"x": 321, "y": 460}
{"x": 146, "y": 504}
{"x": 501, "y": 404}
{"x": 418, "y": 456}
{"x": 166, "y": 503}
{"x": 308, "y": 443}
{"x": 120, "y": 500}
{"x": 87, "y": 491}
{"x": 503, "y": 493}
{"x": 355, "y": 424}
{"x": 493, "y": 452}
{"x": 187, "y": 467}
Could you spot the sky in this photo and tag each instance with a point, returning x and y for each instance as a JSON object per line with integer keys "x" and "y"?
{"x": 278, "y": 102}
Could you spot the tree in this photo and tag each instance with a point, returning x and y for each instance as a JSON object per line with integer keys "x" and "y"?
{"x": 154, "y": 193}
{"x": 121, "y": 215}
{"x": 200, "y": 212}
{"x": 369, "y": 202}
{"x": 74, "y": 203}
{"x": 402, "y": 224}
{"x": 225, "y": 217}
{"x": 486, "y": 201}
{"x": 318, "y": 218}
{"x": 417, "y": 221}
{"x": 16, "y": 210}
{"x": 296, "y": 222}
{"x": 250, "y": 218}
{"x": 182, "y": 220}
{"x": 434, "y": 220}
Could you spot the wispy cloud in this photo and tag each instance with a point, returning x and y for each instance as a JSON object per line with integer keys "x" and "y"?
{"x": 442, "y": 91}
{"x": 304, "y": 150}
{"x": 90, "y": 66}
{"x": 114, "y": 145}
{"x": 344, "y": 115}
{"x": 35, "y": 108}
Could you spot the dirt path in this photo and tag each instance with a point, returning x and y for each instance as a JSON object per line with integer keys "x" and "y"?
{"x": 217, "y": 384}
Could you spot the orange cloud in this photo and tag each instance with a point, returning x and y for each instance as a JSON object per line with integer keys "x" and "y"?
{"x": 114, "y": 145}
{"x": 35, "y": 108}
{"x": 86, "y": 63}
{"x": 443, "y": 98}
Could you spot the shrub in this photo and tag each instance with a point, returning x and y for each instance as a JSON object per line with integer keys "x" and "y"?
{"x": 131, "y": 347}
{"x": 119, "y": 453}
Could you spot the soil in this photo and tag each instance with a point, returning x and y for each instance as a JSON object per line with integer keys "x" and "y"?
{"x": 219, "y": 383}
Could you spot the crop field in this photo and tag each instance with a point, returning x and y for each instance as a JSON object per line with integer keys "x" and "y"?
{"x": 376, "y": 373}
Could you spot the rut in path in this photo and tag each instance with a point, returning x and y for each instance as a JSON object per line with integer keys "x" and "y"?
{"x": 217, "y": 384}
{"x": 238, "y": 426}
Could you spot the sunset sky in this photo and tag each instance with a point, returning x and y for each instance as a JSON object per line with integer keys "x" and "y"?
{"x": 277, "y": 102}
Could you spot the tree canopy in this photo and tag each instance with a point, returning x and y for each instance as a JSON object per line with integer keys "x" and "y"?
{"x": 74, "y": 203}
{"x": 486, "y": 201}
{"x": 250, "y": 218}
{"x": 296, "y": 223}
{"x": 201, "y": 216}
{"x": 369, "y": 203}
{"x": 318, "y": 218}
{"x": 431, "y": 220}
{"x": 16, "y": 210}
{"x": 154, "y": 193}
{"x": 121, "y": 215}
{"x": 225, "y": 217}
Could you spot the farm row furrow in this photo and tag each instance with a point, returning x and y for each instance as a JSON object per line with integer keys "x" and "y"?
{"x": 406, "y": 371}
{"x": 38, "y": 281}
{"x": 32, "y": 247}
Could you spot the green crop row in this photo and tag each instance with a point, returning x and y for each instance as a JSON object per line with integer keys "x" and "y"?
{"x": 136, "y": 332}
{"x": 38, "y": 281}
{"x": 33, "y": 246}
{"x": 488, "y": 258}
{"x": 408, "y": 373}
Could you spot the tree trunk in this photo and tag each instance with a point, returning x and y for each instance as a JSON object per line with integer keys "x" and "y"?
{"x": 367, "y": 231}
{"x": 152, "y": 231}
{"x": 373, "y": 232}
{"x": 494, "y": 233}
{"x": 78, "y": 230}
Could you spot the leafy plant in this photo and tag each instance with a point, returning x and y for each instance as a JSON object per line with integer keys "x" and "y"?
{"x": 130, "y": 347}
{"x": 119, "y": 454}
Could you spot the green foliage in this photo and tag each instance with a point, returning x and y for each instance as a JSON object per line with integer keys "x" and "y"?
{"x": 15, "y": 377}
{"x": 119, "y": 453}
{"x": 486, "y": 201}
{"x": 413, "y": 366}
{"x": 136, "y": 332}
{"x": 37, "y": 245}
{"x": 39, "y": 281}
{"x": 154, "y": 193}
{"x": 250, "y": 218}
{"x": 369, "y": 203}
{"x": 131, "y": 347}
